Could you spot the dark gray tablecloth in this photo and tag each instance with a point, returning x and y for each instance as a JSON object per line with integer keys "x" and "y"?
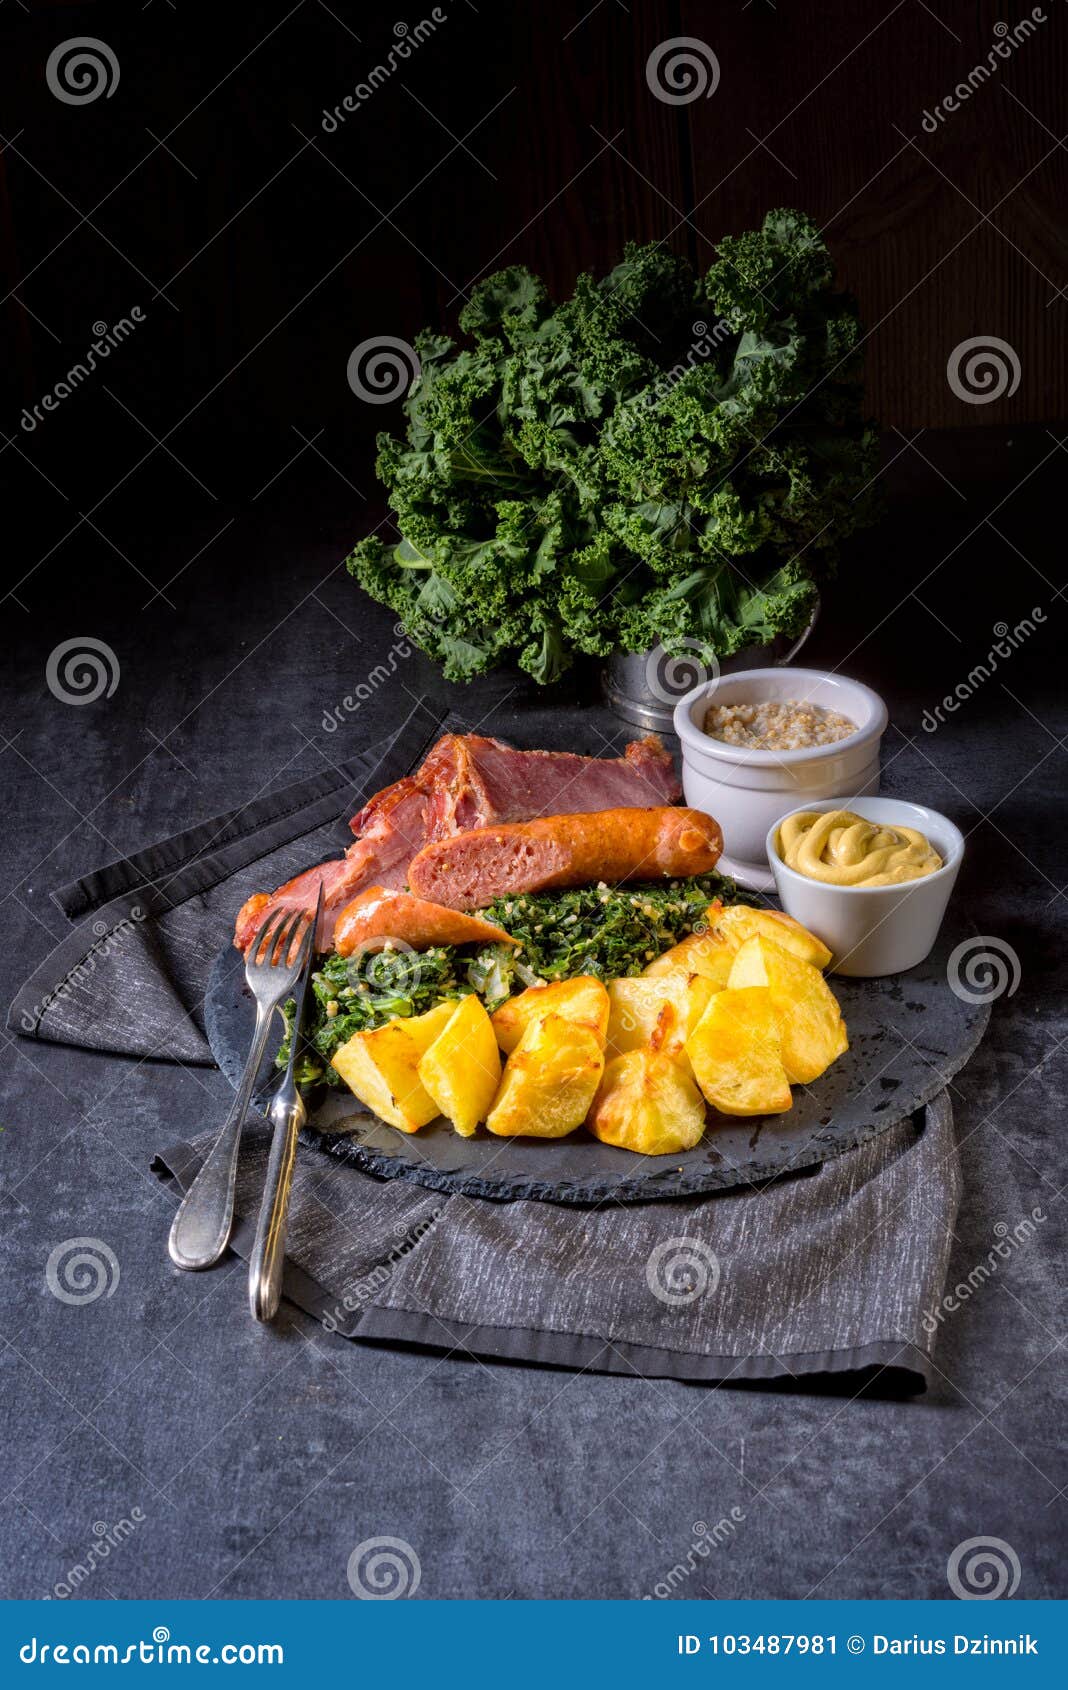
{"x": 826, "y": 1272}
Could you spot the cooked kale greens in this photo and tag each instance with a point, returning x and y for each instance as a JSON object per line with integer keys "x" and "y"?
{"x": 604, "y": 931}
{"x": 597, "y": 930}
{"x": 351, "y": 994}
{"x": 663, "y": 457}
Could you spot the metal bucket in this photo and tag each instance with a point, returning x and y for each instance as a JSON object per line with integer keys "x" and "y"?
{"x": 643, "y": 687}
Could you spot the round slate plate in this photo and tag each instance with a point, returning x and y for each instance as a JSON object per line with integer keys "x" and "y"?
{"x": 908, "y": 1036}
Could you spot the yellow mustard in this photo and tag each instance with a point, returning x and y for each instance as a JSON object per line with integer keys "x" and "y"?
{"x": 843, "y": 849}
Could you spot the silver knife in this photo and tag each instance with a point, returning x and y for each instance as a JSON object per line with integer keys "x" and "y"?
{"x": 287, "y": 1115}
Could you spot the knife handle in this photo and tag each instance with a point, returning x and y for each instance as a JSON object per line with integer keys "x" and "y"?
{"x": 287, "y": 1115}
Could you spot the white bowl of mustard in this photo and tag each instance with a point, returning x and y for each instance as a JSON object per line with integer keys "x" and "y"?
{"x": 872, "y": 924}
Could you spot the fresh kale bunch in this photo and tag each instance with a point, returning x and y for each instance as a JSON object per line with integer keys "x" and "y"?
{"x": 663, "y": 457}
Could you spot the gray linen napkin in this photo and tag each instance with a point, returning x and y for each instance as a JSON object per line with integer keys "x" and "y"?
{"x": 826, "y": 1272}
{"x": 133, "y": 979}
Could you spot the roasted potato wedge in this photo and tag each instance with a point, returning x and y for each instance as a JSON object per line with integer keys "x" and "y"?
{"x": 461, "y": 1070}
{"x": 549, "y": 1080}
{"x": 707, "y": 954}
{"x": 647, "y": 1101}
{"x": 636, "y": 1004}
{"x": 811, "y": 1028}
{"x": 582, "y": 998}
{"x": 382, "y": 1067}
{"x": 735, "y": 1050}
{"x": 739, "y": 923}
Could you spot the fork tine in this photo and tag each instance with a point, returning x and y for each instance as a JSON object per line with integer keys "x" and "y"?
{"x": 280, "y": 951}
{"x": 308, "y": 920}
{"x": 274, "y": 920}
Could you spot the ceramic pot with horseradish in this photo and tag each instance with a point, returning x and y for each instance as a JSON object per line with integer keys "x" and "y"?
{"x": 761, "y": 743}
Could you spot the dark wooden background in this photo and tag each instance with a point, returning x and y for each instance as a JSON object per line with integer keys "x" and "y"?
{"x": 263, "y": 249}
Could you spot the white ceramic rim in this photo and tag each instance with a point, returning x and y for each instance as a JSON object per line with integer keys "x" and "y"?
{"x": 698, "y": 740}
{"x": 950, "y": 863}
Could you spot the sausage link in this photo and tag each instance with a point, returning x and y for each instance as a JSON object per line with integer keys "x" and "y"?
{"x": 470, "y": 869}
{"x": 378, "y": 918}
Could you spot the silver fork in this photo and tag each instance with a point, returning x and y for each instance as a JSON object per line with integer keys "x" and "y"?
{"x": 287, "y": 1115}
{"x": 201, "y": 1228}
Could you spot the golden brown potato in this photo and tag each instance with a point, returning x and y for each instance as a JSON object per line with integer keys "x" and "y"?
{"x": 707, "y": 954}
{"x": 462, "y": 1068}
{"x": 736, "y": 1054}
{"x": 382, "y": 1067}
{"x": 582, "y": 998}
{"x": 549, "y": 1080}
{"x": 648, "y": 1102}
{"x": 740, "y": 923}
{"x": 636, "y": 1004}
{"x": 811, "y": 1028}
